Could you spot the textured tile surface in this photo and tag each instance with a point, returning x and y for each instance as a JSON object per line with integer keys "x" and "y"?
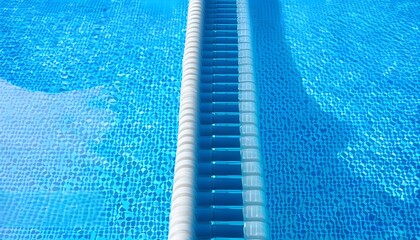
{"x": 339, "y": 104}
{"x": 88, "y": 117}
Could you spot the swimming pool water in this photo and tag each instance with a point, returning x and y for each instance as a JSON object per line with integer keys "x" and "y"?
{"x": 88, "y": 117}
{"x": 339, "y": 85}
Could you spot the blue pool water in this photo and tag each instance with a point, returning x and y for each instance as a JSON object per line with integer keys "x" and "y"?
{"x": 339, "y": 85}
{"x": 88, "y": 117}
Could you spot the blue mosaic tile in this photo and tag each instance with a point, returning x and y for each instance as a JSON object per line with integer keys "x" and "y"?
{"x": 339, "y": 94}
{"x": 88, "y": 117}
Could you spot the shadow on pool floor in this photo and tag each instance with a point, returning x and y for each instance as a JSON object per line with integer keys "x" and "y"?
{"x": 311, "y": 193}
